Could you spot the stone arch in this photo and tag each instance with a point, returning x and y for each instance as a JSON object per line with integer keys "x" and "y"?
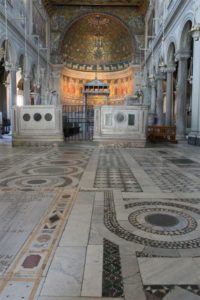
{"x": 184, "y": 33}
{"x": 186, "y": 37}
{"x": 171, "y": 51}
{"x": 11, "y": 52}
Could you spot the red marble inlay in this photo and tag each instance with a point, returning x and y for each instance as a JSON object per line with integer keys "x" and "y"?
{"x": 31, "y": 261}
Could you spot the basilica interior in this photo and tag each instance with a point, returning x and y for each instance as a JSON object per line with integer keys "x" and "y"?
{"x": 99, "y": 149}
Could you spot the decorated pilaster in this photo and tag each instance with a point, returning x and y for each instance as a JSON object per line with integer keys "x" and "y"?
{"x": 169, "y": 96}
{"x": 194, "y": 136}
{"x": 182, "y": 58}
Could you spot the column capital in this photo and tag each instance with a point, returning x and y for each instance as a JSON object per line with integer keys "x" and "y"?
{"x": 171, "y": 68}
{"x": 182, "y": 55}
{"x": 160, "y": 76}
{"x": 56, "y": 74}
{"x": 195, "y": 30}
{"x": 26, "y": 76}
{"x": 151, "y": 79}
{"x": 10, "y": 67}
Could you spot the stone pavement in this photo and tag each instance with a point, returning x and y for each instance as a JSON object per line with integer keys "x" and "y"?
{"x": 85, "y": 222}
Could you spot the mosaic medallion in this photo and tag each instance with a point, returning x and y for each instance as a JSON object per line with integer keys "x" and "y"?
{"x": 162, "y": 221}
{"x": 185, "y": 214}
{"x": 37, "y": 117}
{"x": 26, "y": 117}
{"x": 48, "y": 117}
{"x": 120, "y": 117}
{"x": 38, "y": 181}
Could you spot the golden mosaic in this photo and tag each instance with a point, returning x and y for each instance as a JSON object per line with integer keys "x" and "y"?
{"x": 97, "y": 39}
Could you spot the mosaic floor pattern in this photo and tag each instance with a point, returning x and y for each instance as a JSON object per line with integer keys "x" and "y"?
{"x": 82, "y": 222}
{"x": 113, "y": 172}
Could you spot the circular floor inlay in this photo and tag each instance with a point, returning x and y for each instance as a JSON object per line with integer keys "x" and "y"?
{"x": 163, "y": 220}
{"x": 37, "y": 181}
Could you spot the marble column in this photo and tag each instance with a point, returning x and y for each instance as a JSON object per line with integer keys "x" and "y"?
{"x": 43, "y": 86}
{"x": 153, "y": 96}
{"x": 13, "y": 92}
{"x": 194, "y": 136}
{"x": 169, "y": 95}
{"x": 182, "y": 58}
{"x": 13, "y": 87}
{"x": 153, "y": 101}
{"x": 26, "y": 90}
{"x": 159, "y": 101}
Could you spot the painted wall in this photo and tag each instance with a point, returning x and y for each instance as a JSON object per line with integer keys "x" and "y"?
{"x": 72, "y": 83}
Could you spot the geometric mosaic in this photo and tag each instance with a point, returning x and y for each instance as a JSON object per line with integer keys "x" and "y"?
{"x": 112, "y": 277}
{"x": 187, "y": 224}
{"x": 113, "y": 172}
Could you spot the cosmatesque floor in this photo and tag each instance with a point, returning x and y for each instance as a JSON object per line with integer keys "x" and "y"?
{"x": 85, "y": 222}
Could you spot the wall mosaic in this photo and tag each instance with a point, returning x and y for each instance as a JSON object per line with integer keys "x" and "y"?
{"x": 97, "y": 39}
{"x": 62, "y": 18}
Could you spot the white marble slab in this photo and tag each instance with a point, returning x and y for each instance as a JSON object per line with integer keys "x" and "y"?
{"x": 76, "y": 233}
{"x": 66, "y": 273}
{"x": 17, "y": 290}
{"x": 182, "y": 294}
{"x": 174, "y": 271}
{"x": 77, "y": 229}
{"x": 10, "y": 244}
{"x": 134, "y": 291}
{"x": 92, "y": 280}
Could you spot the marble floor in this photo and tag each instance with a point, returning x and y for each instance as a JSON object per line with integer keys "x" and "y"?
{"x": 85, "y": 222}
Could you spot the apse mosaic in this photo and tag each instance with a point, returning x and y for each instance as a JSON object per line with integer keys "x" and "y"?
{"x": 97, "y": 39}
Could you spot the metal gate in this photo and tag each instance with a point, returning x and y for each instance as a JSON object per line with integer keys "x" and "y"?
{"x": 78, "y": 122}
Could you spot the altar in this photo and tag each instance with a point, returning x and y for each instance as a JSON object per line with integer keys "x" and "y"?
{"x": 121, "y": 125}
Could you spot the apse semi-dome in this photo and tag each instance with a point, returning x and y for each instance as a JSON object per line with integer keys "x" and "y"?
{"x": 97, "y": 39}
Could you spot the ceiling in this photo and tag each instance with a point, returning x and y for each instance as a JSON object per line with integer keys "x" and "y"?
{"x": 97, "y": 39}
{"x": 135, "y": 4}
